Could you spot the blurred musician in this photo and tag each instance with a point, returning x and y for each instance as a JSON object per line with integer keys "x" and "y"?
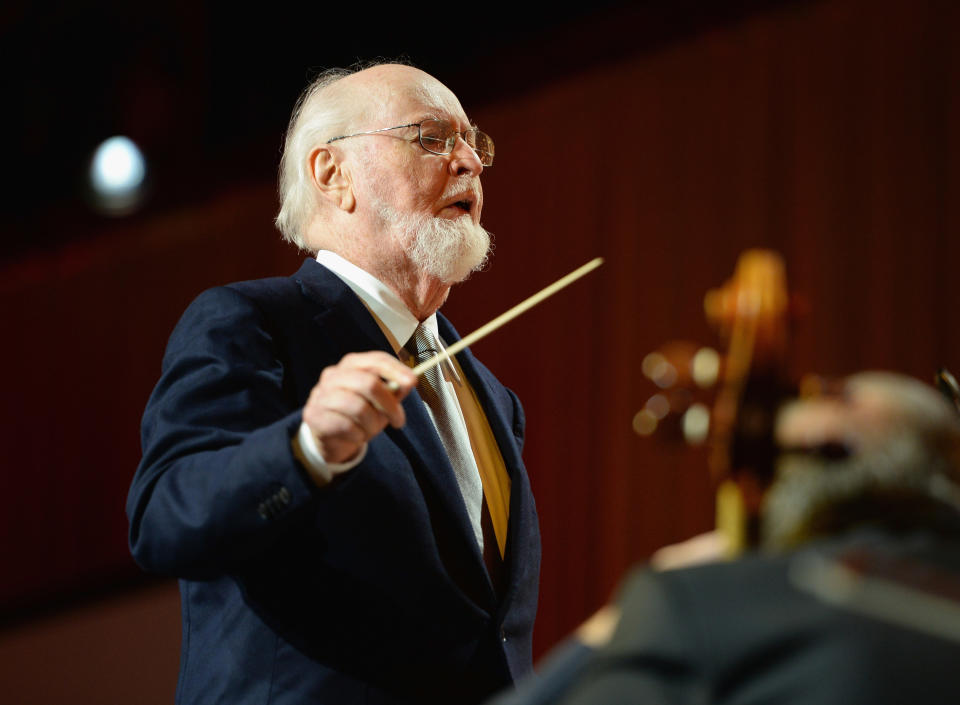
{"x": 853, "y": 597}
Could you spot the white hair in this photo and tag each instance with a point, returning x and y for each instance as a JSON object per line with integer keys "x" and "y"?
{"x": 318, "y": 116}
{"x": 315, "y": 119}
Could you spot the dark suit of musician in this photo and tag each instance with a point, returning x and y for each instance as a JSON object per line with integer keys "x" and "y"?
{"x": 746, "y": 633}
{"x": 854, "y": 599}
{"x": 369, "y": 590}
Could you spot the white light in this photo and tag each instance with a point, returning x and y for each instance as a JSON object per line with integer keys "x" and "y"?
{"x": 117, "y": 174}
{"x": 118, "y": 167}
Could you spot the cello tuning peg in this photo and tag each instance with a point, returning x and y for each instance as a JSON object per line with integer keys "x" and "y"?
{"x": 659, "y": 370}
{"x": 645, "y": 422}
{"x": 705, "y": 367}
{"x": 695, "y": 424}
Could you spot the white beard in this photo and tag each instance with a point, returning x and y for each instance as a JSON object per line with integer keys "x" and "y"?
{"x": 440, "y": 247}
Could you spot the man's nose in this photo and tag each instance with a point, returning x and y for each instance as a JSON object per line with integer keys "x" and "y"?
{"x": 464, "y": 160}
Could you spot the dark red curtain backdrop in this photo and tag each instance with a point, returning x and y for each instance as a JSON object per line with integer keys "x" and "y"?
{"x": 827, "y": 131}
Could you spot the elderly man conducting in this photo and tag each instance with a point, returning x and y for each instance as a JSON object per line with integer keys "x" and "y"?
{"x": 345, "y": 532}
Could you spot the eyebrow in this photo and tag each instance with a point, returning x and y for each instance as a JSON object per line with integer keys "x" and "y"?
{"x": 435, "y": 116}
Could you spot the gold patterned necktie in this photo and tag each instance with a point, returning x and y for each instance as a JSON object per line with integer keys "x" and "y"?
{"x": 422, "y": 346}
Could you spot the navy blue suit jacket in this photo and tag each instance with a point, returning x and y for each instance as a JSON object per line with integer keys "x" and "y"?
{"x": 370, "y": 590}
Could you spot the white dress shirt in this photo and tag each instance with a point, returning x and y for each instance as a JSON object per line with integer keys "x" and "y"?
{"x": 398, "y": 325}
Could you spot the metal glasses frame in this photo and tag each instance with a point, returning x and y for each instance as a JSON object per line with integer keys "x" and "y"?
{"x": 450, "y": 142}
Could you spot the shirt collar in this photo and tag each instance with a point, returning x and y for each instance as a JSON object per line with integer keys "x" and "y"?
{"x": 394, "y": 318}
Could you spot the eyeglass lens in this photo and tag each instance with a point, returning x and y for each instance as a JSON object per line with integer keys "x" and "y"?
{"x": 439, "y": 137}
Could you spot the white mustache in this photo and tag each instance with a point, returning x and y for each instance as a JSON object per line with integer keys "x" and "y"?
{"x": 466, "y": 185}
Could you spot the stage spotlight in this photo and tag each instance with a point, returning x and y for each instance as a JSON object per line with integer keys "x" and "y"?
{"x": 117, "y": 174}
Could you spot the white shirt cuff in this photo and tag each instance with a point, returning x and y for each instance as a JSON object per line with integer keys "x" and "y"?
{"x": 322, "y": 471}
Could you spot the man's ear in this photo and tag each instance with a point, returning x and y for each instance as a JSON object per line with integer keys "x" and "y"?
{"x": 331, "y": 178}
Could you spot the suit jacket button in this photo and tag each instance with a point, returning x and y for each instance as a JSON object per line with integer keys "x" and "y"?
{"x": 263, "y": 510}
{"x": 284, "y": 495}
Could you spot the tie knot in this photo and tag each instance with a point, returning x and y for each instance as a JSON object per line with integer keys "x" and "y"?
{"x": 421, "y": 345}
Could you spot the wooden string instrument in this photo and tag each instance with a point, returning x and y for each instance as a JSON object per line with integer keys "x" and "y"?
{"x": 751, "y": 313}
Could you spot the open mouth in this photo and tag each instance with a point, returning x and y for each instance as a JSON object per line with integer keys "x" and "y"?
{"x": 466, "y": 202}
{"x": 460, "y": 207}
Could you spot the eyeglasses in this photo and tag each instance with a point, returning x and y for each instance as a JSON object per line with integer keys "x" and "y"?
{"x": 439, "y": 137}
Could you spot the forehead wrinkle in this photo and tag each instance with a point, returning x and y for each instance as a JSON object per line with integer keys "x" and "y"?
{"x": 371, "y": 98}
{"x": 438, "y": 101}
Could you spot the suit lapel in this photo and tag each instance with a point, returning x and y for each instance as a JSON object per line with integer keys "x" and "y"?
{"x": 344, "y": 325}
{"x": 502, "y": 430}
